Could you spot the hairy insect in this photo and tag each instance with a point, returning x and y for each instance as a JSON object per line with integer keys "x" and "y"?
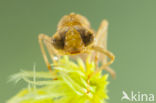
{"x": 74, "y": 36}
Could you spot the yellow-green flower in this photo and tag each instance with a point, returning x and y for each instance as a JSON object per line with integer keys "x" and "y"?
{"x": 74, "y": 82}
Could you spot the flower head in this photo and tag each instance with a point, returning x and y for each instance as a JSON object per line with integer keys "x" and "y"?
{"x": 73, "y": 82}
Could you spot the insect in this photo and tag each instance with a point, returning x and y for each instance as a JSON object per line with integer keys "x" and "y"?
{"x": 74, "y": 36}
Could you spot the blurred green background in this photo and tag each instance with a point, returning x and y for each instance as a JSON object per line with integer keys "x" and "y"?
{"x": 131, "y": 37}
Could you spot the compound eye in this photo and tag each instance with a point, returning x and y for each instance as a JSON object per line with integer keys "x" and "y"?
{"x": 86, "y": 36}
{"x": 58, "y": 43}
{"x": 87, "y": 39}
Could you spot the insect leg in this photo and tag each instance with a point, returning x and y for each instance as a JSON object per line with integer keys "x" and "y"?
{"x": 52, "y": 51}
{"x": 105, "y": 65}
{"x": 101, "y": 40}
{"x": 44, "y": 37}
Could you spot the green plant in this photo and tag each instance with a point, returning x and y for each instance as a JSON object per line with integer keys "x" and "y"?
{"x": 69, "y": 83}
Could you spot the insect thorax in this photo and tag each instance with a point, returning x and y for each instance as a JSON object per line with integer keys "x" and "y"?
{"x": 73, "y": 19}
